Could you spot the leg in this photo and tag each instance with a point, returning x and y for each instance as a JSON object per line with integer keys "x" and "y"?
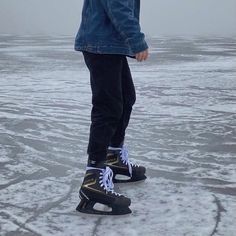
{"x": 97, "y": 187}
{"x": 129, "y": 97}
{"x": 107, "y": 100}
{"x": 117, "y": 155}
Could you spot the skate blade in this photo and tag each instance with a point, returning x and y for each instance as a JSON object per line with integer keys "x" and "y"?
{"x": 129, "y": 180}
{"x": 89, "y": 207}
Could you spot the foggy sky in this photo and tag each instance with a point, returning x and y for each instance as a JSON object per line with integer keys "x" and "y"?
{"x": 158, "y": 17}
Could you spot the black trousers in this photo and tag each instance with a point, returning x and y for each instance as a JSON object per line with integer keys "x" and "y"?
{"x": 113, "y": 95}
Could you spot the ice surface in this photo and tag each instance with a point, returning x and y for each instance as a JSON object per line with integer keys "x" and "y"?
{"x": 183, "y": 129}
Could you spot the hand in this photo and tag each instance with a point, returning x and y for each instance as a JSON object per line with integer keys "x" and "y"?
{"x": 141, "y": 55}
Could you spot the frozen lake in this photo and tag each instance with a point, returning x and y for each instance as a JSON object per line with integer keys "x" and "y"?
{"x": 183, "y": 129}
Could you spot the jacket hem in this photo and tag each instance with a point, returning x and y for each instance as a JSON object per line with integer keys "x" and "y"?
{"x": 105, "y": 50}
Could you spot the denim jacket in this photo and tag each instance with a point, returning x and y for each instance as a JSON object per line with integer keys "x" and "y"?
{"x": 110, "y": 26}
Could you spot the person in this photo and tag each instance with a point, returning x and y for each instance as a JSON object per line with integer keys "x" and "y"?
{"x": 109, "y": 32}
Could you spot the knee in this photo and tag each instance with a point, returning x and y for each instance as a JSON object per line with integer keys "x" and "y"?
{"x": 116, "y": 111}
{"x": 107, "y": 111}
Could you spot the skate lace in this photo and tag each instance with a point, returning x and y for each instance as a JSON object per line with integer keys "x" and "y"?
{"x": 125, "y": 159}
{"x": 106, "y": 181}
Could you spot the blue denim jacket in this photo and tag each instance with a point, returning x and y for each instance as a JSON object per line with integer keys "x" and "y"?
{"x": 111, "y": 26}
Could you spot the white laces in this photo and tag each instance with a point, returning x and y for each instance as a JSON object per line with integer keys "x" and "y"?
{"x": 106, "y": 180}
{"x": 124, "y": 158}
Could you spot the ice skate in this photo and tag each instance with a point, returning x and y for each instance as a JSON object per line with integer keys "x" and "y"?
{"x": 97, "y": 187}
{"x": 117, "y": 160}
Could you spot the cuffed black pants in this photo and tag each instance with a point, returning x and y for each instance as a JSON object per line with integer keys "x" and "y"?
{"x": 113, "y": 95}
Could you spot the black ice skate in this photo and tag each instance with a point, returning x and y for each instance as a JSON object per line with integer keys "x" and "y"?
{"x": 97, "y": 187}
{"x": 117, "y": 160}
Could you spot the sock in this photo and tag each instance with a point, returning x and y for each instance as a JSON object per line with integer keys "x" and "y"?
{"x": 114, "y": 148}
{"x": 96, "y": 164}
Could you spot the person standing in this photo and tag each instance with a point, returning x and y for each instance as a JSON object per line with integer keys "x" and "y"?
{"x": 109, "y": 32}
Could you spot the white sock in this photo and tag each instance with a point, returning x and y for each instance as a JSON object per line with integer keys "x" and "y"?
{"x": 114, "y": 148}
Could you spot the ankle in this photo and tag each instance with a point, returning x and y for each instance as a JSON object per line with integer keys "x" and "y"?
{"x": 116, "y": 144}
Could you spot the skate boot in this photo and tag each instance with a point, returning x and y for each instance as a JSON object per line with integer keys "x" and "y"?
{"x": 97, "y": 187}
{"x": 117, "y": 160}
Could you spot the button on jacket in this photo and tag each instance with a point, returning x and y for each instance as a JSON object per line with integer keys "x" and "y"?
{"x": 112, "y": 27}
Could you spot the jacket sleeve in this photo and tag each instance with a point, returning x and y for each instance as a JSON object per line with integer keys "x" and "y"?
{"x": 121, "y": 16}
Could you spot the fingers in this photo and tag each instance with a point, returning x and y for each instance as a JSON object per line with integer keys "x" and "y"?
{"x": 142, "y": 56}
